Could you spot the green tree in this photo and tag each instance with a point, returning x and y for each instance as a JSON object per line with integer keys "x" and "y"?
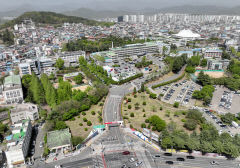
{"x": 64, "y": 91}
{"x": 78, "y": 79}
{"x": 60, "y": 125}
{"x": 190, "y": 124}
{"x": 59, "y": 63}
{"x": 227, "y": 118}
{"x": 37, "y": 90}
{"x": 142, "y": 87}
{"x": 203, "y": 63}
{"x": 77, "y": 140}
{"x": 203, "y": 79}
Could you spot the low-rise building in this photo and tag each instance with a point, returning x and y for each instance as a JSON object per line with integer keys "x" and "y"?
{"x": 12, "y": 89}
{"x": 18, "y": 146}
{"x": 71, "y": 57}
{"x": 24, "y": 111}
{"x": 59, "y": 141}
{"x": 213, "y": 53}
{"x": 213, "y": 64}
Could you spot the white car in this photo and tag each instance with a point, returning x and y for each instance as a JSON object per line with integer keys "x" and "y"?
{"x": 131, "y": 160}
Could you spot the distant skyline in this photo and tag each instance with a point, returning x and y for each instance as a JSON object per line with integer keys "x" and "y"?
{"x": 64, "y": 5}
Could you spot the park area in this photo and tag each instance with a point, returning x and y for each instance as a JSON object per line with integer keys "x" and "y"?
{"x": 82, "y": 124}
{"x": 138, "y": 108}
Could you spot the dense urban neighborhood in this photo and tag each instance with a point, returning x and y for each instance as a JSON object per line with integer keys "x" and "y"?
{"x": 148, "y": 91}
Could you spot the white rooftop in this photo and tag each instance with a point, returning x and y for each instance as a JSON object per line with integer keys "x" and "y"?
{"x": 187, "y": 34}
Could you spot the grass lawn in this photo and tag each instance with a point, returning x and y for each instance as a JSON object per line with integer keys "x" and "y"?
{"x": 78, "y": 130}
{"x": 152, "y": 107}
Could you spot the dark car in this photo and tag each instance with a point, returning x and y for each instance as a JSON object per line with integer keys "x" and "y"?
{"x": 126, "y": 153}
{"x": 169, "y": 162}
{"x": 167, "y": 154}
{"x": 180, "y": 159}
{"x": 190, "y": 157}
{"x": 157, "y": 156}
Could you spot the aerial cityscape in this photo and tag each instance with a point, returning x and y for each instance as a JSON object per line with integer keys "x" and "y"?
{"x": 99, "y": 85}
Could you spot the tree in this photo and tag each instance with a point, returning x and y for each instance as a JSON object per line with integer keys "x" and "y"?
{"x": 134, "y": 90}
{"x": 157, "y": 122}
{"x": 132, "y": 115}
{"x": 77, "y": 140}
{"x": 176, "y": 104}
{"x": 60, "y": 125}
{"x": 143, "y": 125}
{"x": 142, "y": 87}
{"x": 227, "y": 118}
{"x": 203, "y": 79}
{"x": 206, "y": 147}
{"x": 89, "y": 123}
{"x": 190, "y": 69}
{"x": 78, "y": 79}
{"x": 204, "y": 62}
{"x": 190, "y": 124}
{"x": 59, "y": 63}
{"x": 64, "y": 91}
{"x": 37, "y": 90}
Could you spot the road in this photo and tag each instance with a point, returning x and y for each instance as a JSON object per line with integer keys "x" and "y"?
{"x": 198, "y": 162}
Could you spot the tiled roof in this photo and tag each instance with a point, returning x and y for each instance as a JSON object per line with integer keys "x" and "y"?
{"x": 58, "y": 138}
{"x": 13, "y": 79}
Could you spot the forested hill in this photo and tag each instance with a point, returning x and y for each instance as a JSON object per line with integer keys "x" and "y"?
{"x": 53, "y": 19}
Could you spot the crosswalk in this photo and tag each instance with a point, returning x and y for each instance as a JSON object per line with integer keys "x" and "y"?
{"x": 98, "y": 162}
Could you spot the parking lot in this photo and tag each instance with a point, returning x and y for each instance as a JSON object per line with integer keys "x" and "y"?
{"x": 225, "y": 101}
{"x": 179, "y": 92}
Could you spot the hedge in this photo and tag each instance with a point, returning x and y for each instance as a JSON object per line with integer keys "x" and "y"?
{"x": 129, "y": 79}
{"x": 168, "y": 82}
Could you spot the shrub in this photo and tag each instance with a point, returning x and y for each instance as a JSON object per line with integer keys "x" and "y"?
{"x": 135, "y": 96}
{"x": 100, "y": 119}
{"x": 144, "y": 115}
{"x": 93, "y": 112}
{"x": 183, "y": 120}
{"x": 80, "y": 124}
{"x": 153, "y": 96}
{"x": 149, "y": 126}
{"x": 125, "y": 117}
{"x": 132, "y": 115}
{"x": 89, "y": 123}
{"x": 176, "y": 104}
{"x": 100, "y": 104}
{"x": 161, "y": 108}
{"x": 85, "y": 129}
{"x": 85, "y": 119}
{"x": 129, "y": 99}
{"x": 147, "y": 121}
{"x": 83, "y": 113}
{"x": 144, "y": 103}
{"x": 131, "y": 126}
{"x": 125, "y": 98}
{"x": 143, "y": 125}
{"x": 99, "y": 113}
{"x": 72, "y": 119}
{"x": 143, "y": 110}
{"x": 78, "y": 116}
{"x": 190, "y": 124}
{"x": 129, "y": 106}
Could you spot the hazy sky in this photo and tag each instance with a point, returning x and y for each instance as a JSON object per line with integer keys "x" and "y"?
{"x": 6, "y": 5}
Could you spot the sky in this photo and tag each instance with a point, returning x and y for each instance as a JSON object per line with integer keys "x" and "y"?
{"x": 8, "y": 5}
